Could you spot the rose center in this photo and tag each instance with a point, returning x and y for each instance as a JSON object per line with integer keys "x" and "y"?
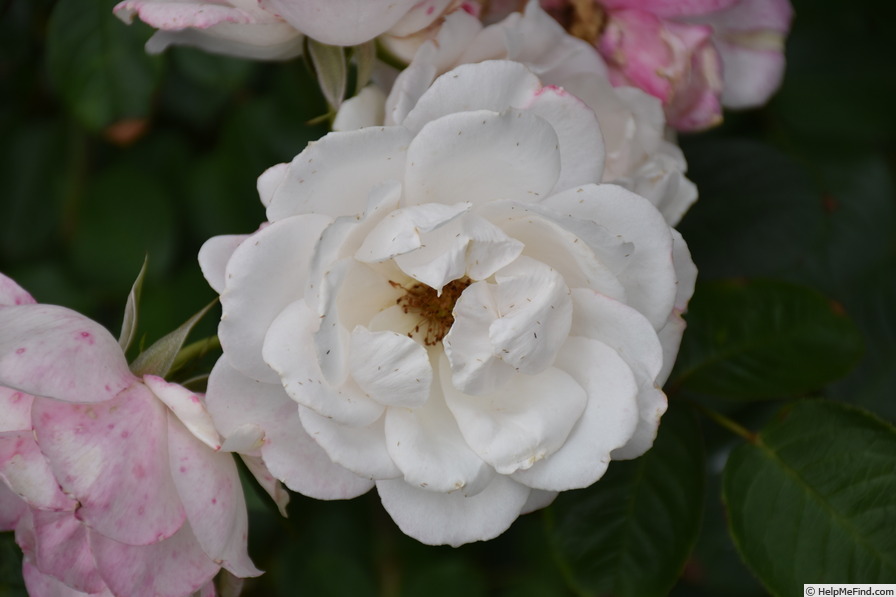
{"x": 436, "y": 311}
{"x": 584, "y": 19}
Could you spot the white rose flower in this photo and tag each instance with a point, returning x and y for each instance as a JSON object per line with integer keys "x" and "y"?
{"x": 638, "y": 156}
{"x": 450, "y": 309}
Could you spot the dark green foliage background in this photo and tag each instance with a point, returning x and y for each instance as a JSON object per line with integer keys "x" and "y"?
{"x": 107, "y": 154}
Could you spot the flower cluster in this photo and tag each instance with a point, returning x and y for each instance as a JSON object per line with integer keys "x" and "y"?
{"x": 468, "y": 295}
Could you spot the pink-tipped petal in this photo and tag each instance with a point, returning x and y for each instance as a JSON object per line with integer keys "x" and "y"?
{"x": 268, "y": 482}
{"x": 672, "y": 8}
{"x": 210, "y": 489}
{"x": 55, "y": 352}
{"x": 188, "y": 407}
{"x": 26, "y": 471}
{"x": 113, "y": 458}
{"x": 174, "y": 567}
{"x": 12, "y": 507}
{"x": 15, "y": 410}
{"x": 13, "y": 294}
{"x": 61, "y": 550}
{"x": 40, "y": 584}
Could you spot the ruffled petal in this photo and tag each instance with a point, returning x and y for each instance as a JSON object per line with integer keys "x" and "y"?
{"x": 174, "y": 567}
{"x": 482, "y": 156}
{"x": 493, "y": 86}
{"x": 289, "y": 453}
{"x": 453, "y": 518}
{"x": 648, "y": 274}
{"x": 608, "y": 421}
{"x": 113, "y": 458}
{"x": 361, "y": 450}
{"x": 15, "y": 410}
{"x": 187, "y": 407}
{"x": 633, "y": 338}
{"x": 582, "y": 151}
{"x": 268, "y": 482}
{"x": 372, "y": 155}
{"x": 256, "y": 41}
{"x": 290, "y": 349}
{"x": 393, "y": 369}
{"x": 209, "y": 487}
{"x": 257, "y": 289}
{"x": 61, "y": 550}
{"x": 428, "y": 447}
{"x": 475, "y": 367}
{"x": 38, "y": 583}
{"x": 55, "y": 352}
{"x": 214, "y": 255}
{"x": 522, "y": 422}
{"x": 27, "y": 473}
{"x": 535, "y": 315}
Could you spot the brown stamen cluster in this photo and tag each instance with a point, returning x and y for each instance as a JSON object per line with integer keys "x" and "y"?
{"x": 436, "y": 310}
{"x": 584, "y": 19}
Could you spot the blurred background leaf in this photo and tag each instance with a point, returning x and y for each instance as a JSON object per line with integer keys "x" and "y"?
{"x": 761, "y": 339}
{"x": 813, "y": 498}
{"x": 630, "y": 534}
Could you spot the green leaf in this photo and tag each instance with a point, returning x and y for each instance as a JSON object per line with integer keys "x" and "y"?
{"x": 814, "y": 498}
{"x": 763, "y": 339}
{"x": 98, "y": 63}
{"x": 31, "y": 208}
{"x": 447, "y": 576}
{"x": 758, "y": 214}
{"x": 125, "y": 214}
{"x": 159, "y": 359}
{"x": 630, "y": 533}
{"x": 129, "y": 323}
{"x": 331, "y": 69}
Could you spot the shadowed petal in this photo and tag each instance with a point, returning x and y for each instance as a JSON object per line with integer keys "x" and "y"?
{"x": 453, "y": 518}
{"x": 52, "y": 351}
{"x": 113, "y": 458}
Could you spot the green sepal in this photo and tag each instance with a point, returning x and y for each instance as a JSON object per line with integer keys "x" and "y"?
{"x": 129, "y": 322}
{"x": 160, "y": 358}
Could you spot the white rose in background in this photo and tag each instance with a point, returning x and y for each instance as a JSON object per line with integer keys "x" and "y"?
{"x": 275, "y": 29}
{"x": 450, "y": 309}
{"x": 638, "y": 155}
{"x": 242, "y": 28}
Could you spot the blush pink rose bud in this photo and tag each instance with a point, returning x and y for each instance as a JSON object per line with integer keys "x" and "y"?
{"x": 695, "y": 56}
{"x": 114, "y": 485}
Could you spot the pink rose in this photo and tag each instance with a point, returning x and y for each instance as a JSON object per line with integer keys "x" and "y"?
{"x": 695, "y": 55}
{"x": 114, "y": 484}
